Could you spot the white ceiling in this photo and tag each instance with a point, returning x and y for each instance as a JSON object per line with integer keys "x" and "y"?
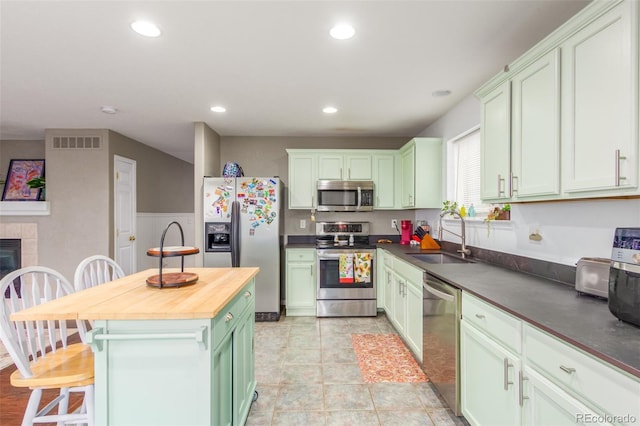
{"x": 271, "y": 63}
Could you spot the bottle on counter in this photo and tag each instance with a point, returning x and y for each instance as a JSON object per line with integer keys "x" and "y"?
{"x": 472, "y": 211}
{"x": 463, "y": 211}
{"x": 351, "y": 239}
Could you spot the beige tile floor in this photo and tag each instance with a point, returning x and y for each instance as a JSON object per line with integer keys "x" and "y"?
{"x": 308, "y": 374}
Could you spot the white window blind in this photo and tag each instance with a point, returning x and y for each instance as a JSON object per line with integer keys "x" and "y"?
{"x": 463, "y": 173}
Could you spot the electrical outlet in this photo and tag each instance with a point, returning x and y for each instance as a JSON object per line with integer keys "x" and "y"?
{"x": 394, "y": 223}
{"x": 303, "y": 223}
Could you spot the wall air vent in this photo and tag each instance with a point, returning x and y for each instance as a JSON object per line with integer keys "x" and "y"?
{"x": 77, "y": 142}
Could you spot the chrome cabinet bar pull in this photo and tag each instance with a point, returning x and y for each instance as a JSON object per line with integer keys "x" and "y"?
{"x": 247, "y": 294}
{"x": 479, "y": 316}
{"x": 500, "y": 185}
{"x": 97, "y": 336}
{"x": 568, "y": 370}
{"x": 521, "y": 396}
{"x": 228, "y": 317}
{"x": 507, "y": 364}
{"x": 513, "y": 187}
{"x": 617, "y": 167}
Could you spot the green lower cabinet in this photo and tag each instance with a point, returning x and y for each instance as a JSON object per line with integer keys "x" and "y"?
{"x": 301, "y": 282}
{"x": 413, "y": 330}
{"x": 244, "y": 382}
{"x": 546, "y": 404}
{"x": 178, "y": 371}
{"x": 489, "y": 385}
{"x": 222, "y": 383}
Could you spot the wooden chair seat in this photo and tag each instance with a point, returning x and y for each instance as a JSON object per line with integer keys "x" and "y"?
{"x": 67, "y": 367}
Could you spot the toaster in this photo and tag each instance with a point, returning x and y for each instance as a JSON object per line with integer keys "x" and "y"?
{"x": 592, "y": 276}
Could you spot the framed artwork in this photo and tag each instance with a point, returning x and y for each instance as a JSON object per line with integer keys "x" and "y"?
{"x": 20, "y": 172}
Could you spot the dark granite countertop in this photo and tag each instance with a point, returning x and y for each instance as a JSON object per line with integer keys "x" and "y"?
{"x": 557, "y": 308}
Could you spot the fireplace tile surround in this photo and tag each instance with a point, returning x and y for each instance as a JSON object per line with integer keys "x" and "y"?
{"x": 28, "y": 234}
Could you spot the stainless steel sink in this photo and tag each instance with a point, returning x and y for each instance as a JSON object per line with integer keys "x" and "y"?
{"x": 437, "y": 258}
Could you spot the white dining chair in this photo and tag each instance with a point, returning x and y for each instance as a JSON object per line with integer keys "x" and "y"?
{"x": 96, "y": 270}
{"x": 40, "y": 349}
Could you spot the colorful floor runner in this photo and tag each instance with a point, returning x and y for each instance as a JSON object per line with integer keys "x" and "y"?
{"x": 384, "y": 358}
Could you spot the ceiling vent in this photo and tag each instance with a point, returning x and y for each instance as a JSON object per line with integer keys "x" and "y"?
{"x": 77, "y": 142}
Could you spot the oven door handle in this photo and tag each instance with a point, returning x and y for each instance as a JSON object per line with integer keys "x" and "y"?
{"x": 438, "y": 293}
{"x": 336, "y": 256}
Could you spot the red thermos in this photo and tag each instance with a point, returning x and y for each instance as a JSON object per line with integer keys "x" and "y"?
{"x": 407, "y": 231}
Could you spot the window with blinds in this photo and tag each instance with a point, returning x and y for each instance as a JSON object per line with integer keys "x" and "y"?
{"x": 463, "y": 173}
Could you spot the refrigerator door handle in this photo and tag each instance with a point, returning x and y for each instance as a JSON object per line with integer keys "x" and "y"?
{"x": 235, "y": 234}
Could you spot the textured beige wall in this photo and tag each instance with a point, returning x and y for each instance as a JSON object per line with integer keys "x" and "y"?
{"x": 267, "y": 156}
{"x": 78, "y": 189}
{"x": 164, "y": 182}
{"x": 206, "y": 162}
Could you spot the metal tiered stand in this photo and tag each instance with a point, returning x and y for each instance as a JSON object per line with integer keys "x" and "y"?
{"x": 172, "y": 279}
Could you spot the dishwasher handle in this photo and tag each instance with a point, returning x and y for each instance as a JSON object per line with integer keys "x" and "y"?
{"x": 437, "y": 293}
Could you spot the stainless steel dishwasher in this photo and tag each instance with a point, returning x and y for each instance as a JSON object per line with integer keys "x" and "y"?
{"x": 441, "y": 338}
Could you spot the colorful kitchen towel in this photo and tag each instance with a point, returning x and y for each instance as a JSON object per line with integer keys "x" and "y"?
{"x": 362, "y": 268}
{"x": 345, "y": 266}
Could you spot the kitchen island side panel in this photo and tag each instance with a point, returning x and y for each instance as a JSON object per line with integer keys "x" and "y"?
{"x": 149, "y": 380}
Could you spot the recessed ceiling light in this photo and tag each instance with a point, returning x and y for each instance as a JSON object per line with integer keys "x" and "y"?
{"x": 440, "y": 93}
{"x": 342, "y": 31}
{"x": 108, "y": 109}
{"x": 145, "y": 28}
{"x": 329, "y": 110}
{"x": 218, "y": 108}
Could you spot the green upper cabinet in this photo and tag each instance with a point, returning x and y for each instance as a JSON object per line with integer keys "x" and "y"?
{"x": 384, "y": 179}
{"x": 600, "y": 104}
{"x": 302, "y": 178}
{"x": 495, "y": 136}
{"x": 562, "y": 121}
{"x": 346, "y": 165}
{"x": 421, "y": 174}
{"x": 520, "y": 134}
{"x": 535, "y": 129}
{"x": 410, "y": 177}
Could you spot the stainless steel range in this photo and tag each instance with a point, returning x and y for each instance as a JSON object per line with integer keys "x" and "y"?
{"x": 346, "y": 270}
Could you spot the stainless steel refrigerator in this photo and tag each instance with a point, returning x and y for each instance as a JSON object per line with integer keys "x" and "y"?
{"x": 243, "y": 225}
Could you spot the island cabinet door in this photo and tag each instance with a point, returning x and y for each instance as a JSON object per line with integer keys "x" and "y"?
{"x": 156, "y": 372}
{"x": 244, "y": 382}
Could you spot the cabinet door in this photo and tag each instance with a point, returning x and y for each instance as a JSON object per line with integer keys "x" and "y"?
{"x": 489, "y": 380}
{"x": 384, "y": 180}
{"x": 546, "y": 404}
{"x": 331, "y": 167}
{"x": 599, "y": 104}
{"x": 495, "y": 137}
{"x": 389, "y": 293}
{"x": 413, "y": 330}
{"x": 399, "y": 303}
{"x": 301, "y": 288}
{"x": 535, "y": 137}
{"x": 302, "y": 181}
{"x": 244, "y": 382}
{"x": 222, "y": 383}
{"x": 407, "y": 194}
{"x": 427, "y": 173}
{"x": 358, "y": 167}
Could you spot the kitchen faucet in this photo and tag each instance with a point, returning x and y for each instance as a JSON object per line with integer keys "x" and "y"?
{"x": 463, "y": 247}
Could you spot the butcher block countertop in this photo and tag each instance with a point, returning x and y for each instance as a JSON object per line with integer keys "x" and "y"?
{"x": 129, "y": 298}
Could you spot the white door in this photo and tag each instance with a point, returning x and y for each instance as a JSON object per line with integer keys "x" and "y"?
{"x": 124, "y": 175}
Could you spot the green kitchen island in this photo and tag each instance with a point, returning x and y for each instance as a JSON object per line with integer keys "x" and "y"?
{"x": 170, "y": 356}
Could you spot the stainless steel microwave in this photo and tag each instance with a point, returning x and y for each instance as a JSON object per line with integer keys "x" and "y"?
{"x": 345, "y": 196}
